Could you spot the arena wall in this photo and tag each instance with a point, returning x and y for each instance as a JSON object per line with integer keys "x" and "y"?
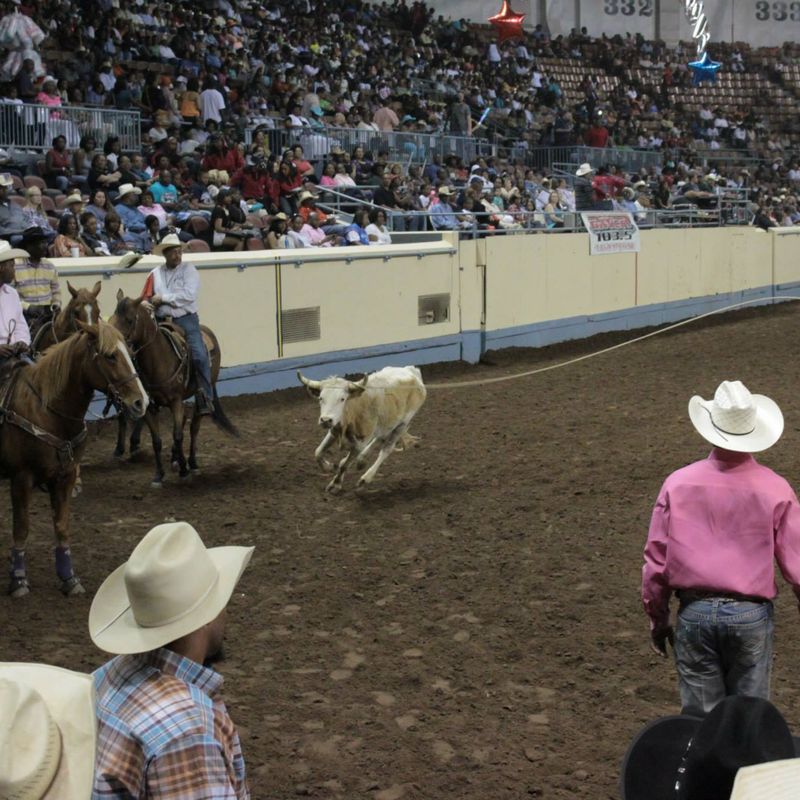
{"x": 335, "y": 311}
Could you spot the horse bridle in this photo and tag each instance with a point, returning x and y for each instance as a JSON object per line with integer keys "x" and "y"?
{"x": 114, "y": 387}
{"x": 130, "y": 341}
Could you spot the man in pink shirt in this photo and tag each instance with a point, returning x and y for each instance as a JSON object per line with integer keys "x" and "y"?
{"x": 15, "y": 338}
{"x": 717, "y": 527}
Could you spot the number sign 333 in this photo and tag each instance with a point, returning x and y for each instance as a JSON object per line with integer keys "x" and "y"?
{"x": 778, "y": 11}
{"x": 642, "y": 8}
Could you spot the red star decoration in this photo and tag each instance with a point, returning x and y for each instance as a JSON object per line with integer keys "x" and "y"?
{"x": 507, "y": 23}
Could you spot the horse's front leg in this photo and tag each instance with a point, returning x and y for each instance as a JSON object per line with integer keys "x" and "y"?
{"x": 151, "y": 418}
{"x": 21, "y": 485}
{"x": 178, "y": 420}
{"x": 122, "y": 429}
{"x": 136, "y": 436}
{"x": 60, "y": 493}
{"x": 194, "y": 429}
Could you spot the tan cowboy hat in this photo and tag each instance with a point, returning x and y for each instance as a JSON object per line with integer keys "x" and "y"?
{"x": 169, "y": 587}
{"x": 737, "y": 420}
{"x": 170, "y": 240}
{"x": 127, "y": 188}
{"x": 75, "y": 197}
{"x": 444, "y": 190}
{"x": 281, "y": 215}
{"x": 8, "y": 253}
{"x": 775, "y": 780}
{"x": 6, "y": 179}
{"x": 584, "y": 169}
{"x": 48, "y": 731}
{"x": 306, "y": 196}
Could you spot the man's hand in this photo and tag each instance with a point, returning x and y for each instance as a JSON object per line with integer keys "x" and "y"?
{"x": 659, "y": 638}
{"x": 156, "y": 300}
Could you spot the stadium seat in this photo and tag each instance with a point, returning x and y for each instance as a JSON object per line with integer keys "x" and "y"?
{"x": 35, "y": 180}
{"x": 197, "y": 246}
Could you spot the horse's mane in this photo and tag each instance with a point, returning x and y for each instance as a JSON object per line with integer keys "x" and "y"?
{"x": 51, "y": 373}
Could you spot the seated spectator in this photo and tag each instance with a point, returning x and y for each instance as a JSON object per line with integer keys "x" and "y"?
{"x": 226, "y": 234}
{"x": 82, "y": 159}
{"x": 73, "y": 204}
{"x": 276, "y": 234}
{"x": 313, "y": 234}
{"x": 99, "y": 206}
{"x": 57, "y": 169}
{"x": 304, "y": 168}
{"x": 48, "y": 733}
{"x": 293, "y": 234}
{"x": 288, "y": 184}
{"x": 149, "y": 207}
{"x": 222, "y": 156}
{"x": 12, "y": 220}
{"x": 132, "y": 171}
{"x": 342, "y": 179}
{"x": 114, "y": 237}
{"x": 377, "y": 231}
{"x": 554, "y": 211}
{"x": 49, "y": 96}
{"x": 698, "y": 758}
{"x": 162, "y": 615}
{"x": 164, "y": 191}
{"x": 356, "y": 232}
{"x": 132, "y": 219}
{"x": 101, "y": 176}
{"x": 34, "y": 213}
{"x": 91, "y": 236}
{"x": 67, "y": 243}
{"x": 189, "y": 102}
{"x": 444, "y": 217}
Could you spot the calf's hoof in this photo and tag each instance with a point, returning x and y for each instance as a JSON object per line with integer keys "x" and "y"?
{"x": 333, "y": 487}
{"x": 325, "y": 466}
{"x": 19, "y": 587}
{"x": 72, "y": 586}
{"x": 156, "y": 484}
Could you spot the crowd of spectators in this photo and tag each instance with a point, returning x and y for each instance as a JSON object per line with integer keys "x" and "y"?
{"x": 229, "y": 88}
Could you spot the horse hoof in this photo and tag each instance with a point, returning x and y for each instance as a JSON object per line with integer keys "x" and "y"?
{"x": 325, "y": 466}
{"x": 156, "y": 485}
{"x": 72, "y": 586}
{"x": 194, "y": 470}
{"x": 19, "y": 587}
{"x": 333, "y": 488}
{"x": 76, "y": 490}
{"x": 119, "y": 455}
{"x": 186, "y": 477}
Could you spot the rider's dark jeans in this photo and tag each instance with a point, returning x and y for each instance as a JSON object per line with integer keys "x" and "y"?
{"x": 190, "y": 324}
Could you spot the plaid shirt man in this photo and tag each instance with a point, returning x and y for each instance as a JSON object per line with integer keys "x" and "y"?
{"x": 165, "y": 732}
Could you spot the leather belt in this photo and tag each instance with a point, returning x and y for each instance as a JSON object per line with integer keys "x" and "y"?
{"x": 692, "y": 595}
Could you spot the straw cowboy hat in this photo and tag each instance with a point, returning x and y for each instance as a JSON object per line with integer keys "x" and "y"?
{"x": 306, "y": 195}
{"x": 584, "y": 169}
{"x": 8, "y": 253}
{"x": 170, "y": 240}
{"x": 169, "y": 587}
{"x": 444, "y": 191}
{"x": 127, "y": 188}
{"x": 47, "y": 739}
{"x": 777, "y": 780}
{"x": 693, "y": 758}
{"x": 737, "y": 420}
{"x": 75, "y": 197}
{"x": 6, "y": 179}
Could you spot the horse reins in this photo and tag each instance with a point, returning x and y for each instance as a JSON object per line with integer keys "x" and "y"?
{"x": 182, "y": 361}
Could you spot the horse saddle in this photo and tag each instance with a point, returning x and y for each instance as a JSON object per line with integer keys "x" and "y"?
{"x": 177, "y": 338}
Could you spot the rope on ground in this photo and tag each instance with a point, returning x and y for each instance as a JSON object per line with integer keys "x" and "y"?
{"x": 561, "y": 364}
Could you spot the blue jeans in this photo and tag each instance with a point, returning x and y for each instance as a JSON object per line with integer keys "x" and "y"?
{"x": 722, "y": 647}
{"x": 190, "y": 325}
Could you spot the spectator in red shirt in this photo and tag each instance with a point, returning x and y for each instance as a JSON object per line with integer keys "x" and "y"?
{"x": 253, "y": 180}
{"x": 597, "y": 135}
{"x": 221, "y": 156}
{"x": 606, "y": 186}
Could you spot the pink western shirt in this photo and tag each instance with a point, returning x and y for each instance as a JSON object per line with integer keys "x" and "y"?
{"x": 718, "y": 524}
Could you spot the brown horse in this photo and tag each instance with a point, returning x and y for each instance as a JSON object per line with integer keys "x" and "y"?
{"x": 167, "y": 376}
{"x": 43, "y": 433}
{"x": 82, "y": 306}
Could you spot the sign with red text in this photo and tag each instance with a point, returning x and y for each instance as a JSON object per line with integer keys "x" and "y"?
{"x": 611, "y": 232}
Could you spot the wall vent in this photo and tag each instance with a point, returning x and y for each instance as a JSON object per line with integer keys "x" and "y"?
{"x": 300, "y": 324}
{"x": 433, "y": 308}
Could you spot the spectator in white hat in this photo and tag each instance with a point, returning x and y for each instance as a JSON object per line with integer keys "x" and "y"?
{"x": 716, "y": 527}
{"x": 48, "y": 732}
{"x": 12, "y": 220}
{"x": 164, "y": 730}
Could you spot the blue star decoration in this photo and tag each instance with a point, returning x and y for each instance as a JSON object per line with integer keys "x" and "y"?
{"x": 704, "y": 69}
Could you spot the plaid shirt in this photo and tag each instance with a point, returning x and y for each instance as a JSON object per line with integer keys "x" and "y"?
{"x": 165, "y": 732}
{"x": 37, "y": 283}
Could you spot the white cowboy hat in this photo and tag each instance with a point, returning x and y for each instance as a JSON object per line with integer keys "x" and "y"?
{"x": 737, "y": 420}
{"x": 775, "y": 780}
{"x": 444, "y": 190}
{"x": 584, "y": 169}
{"x": 306, "y": 196}
{"x": 75, "y": 197}
{"x": 7, "y": 252}
{"x": 127, "y": 188}
{"x": 6, "y": 179}
{"x": 47, "y": 738}
{"x": 170, "y": 240}
{"x": 169, "y": 587}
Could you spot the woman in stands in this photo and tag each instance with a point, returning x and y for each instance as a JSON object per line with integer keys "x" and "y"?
{"x": 101, "y": 177}
{"x": 149, "y": 207}
{"x": 34, "y": 213}
{"x": 288, "y": 182}
{"x": 554, "y": 211}
{"x": 276, "y": 235}
{"x": 82, "y": 158}
{"x": 56, "y": 165}
{"x": 356, "y": 232}
{"x": 190, "y": 105}
{"x": 226, "y": 234}
{"x": 99, "y": 206}
{"x": 114, "y": 235}
{"x": 68, "y": 243}
{"x": 377, "y": 231}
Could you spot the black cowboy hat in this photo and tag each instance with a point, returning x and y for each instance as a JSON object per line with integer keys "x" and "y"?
{"x": 33, "y": 234}
{"x": 695, "y": 758}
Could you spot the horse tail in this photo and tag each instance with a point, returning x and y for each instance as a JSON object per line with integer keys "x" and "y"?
{"x": 221, "y": 418}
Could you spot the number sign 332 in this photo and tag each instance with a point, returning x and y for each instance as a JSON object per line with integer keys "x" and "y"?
{"x": 643, "y": 8}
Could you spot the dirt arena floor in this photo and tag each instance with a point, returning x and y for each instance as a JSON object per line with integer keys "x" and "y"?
{"x": 470, "y": 627}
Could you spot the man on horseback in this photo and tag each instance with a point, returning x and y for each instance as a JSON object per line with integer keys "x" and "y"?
{"x": 15, "y": 338}
{"x": 37, "y": 281}
{"x": 176, "y": 287}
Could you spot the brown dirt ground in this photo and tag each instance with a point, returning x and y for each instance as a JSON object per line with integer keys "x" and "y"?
{"x": 468, "y": 628}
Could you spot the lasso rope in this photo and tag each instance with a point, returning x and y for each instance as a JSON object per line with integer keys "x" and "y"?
{"x": 561, "y": 364}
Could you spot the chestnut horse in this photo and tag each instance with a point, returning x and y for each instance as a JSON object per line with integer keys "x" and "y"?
{"x": 168, "y": 377}
{"x": 43, "y": 433}
{"x": 82, "y": 306}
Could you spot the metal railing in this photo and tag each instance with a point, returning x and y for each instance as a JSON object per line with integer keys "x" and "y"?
{"x": 30, "y": 126}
